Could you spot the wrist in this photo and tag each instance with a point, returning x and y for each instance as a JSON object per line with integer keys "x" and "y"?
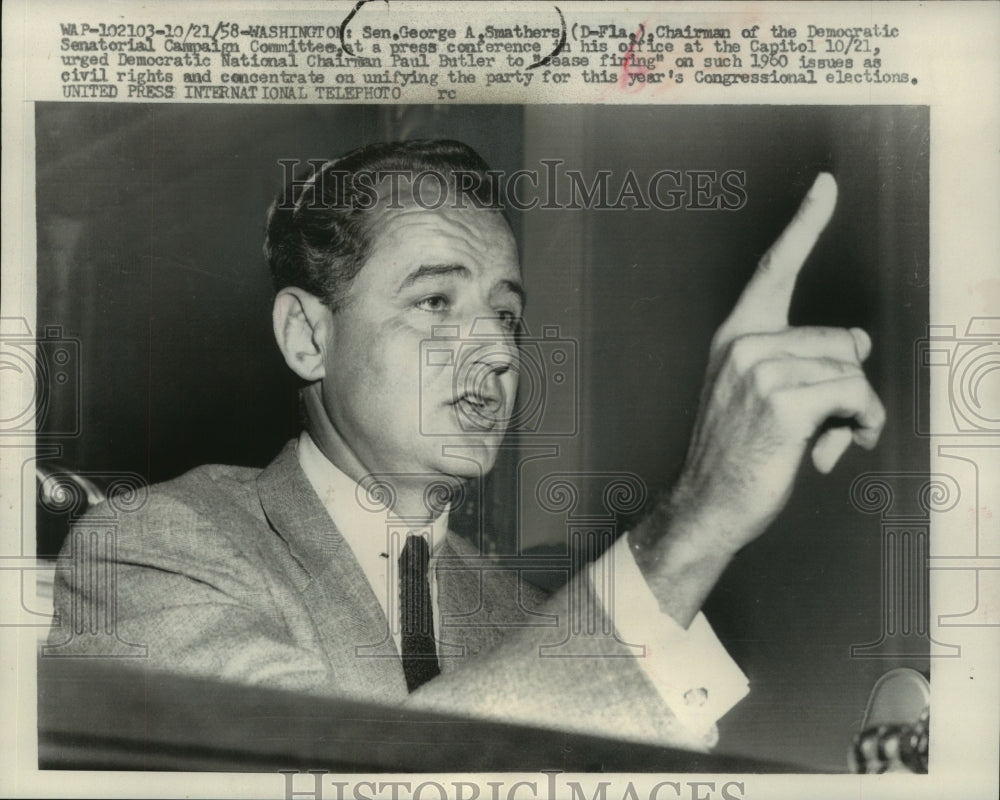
{"x": 680, "y": 558}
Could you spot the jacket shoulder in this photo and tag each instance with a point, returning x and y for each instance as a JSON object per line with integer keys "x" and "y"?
{"x": 211, "y": 490}
{"x": 210, "y": 508}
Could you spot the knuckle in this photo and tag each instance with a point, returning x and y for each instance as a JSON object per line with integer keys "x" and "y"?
{"x": 762, "y": 377}
{"x": 832, "y": 343}
{"x": 742, "y": 353}
{"x": 780, "y": 402}
{"x": 766, "y": 261}
{"x": 845, "y": 344}
{"x": 831, "y": 333}
{"x": 721, "y": 339}
{"x": 846, "y": 369}
{"x": 853, "y": 391}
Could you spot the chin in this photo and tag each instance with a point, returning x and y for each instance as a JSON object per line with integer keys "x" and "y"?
{"x": 467, "y": 457}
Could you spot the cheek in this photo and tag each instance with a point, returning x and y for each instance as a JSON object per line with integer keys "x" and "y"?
{"x": 415, "y": 362}
{"x": 382, "y": 378}
{"x": 389, "y": 369}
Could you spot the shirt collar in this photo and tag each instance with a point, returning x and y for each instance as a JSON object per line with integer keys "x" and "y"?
{"x": 364, "y": 526}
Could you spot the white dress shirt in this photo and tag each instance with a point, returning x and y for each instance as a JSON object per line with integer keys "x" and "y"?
{"x": 375, "y": 535}
{"x": 689, "y": 668}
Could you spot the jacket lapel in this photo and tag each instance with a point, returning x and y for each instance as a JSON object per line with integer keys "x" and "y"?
{"x": 477, "y": 604}
{"x": 350, "y": 624}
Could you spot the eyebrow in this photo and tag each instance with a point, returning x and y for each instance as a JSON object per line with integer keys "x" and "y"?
{"x": 426, "y": 271}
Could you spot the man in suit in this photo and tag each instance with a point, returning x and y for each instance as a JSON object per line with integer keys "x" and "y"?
{"x": 332, "y": 571}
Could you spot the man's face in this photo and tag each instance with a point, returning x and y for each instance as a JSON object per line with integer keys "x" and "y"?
{"x": 426, "y": 269}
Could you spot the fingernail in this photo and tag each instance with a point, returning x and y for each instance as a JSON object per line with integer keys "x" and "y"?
{"x": 823, "y": 178}
{"x": 862, "y": 343}
{"x": 824, "y": 183}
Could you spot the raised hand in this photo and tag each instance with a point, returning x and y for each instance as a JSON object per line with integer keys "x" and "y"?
{"x": 769, "y": 390}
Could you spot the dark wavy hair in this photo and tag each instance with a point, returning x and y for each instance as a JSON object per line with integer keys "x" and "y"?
{"x": 318, "y": 236}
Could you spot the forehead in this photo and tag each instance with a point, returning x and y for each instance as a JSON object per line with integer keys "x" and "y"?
{"x": 410, "y": 234}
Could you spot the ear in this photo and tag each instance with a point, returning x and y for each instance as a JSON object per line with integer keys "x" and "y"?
{"x": 301, "y": 326}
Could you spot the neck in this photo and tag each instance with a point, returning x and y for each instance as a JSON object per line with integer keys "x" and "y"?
{"x": 417, "y": 499}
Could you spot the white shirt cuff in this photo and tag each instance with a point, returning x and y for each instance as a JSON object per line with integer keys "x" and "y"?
{"x": 690, "y": 668}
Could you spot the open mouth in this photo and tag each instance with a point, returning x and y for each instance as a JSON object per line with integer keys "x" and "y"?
{"x": 478, "y": 411}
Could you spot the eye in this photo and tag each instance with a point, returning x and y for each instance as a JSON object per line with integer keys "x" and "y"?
{"x": 435, "y": 303}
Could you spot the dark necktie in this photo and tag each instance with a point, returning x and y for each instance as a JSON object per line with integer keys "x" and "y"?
{"x": 420, "y": 662}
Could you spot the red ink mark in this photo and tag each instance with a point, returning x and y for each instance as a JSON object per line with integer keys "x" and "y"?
{"x": 627, "y": 69}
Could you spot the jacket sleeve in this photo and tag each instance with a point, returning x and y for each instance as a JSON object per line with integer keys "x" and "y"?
{"x": 571, "y": 674}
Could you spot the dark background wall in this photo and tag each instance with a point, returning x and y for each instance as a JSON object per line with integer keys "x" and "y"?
{"x": 643, "y": 292}
{"x": 150, "y": 221}
{"x": 150, "y": 226}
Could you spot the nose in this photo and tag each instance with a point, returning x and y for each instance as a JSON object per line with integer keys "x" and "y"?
{"x": 496, "y": 360}
{"x": 496, "y": 349}
{"x": 488, "y": 369}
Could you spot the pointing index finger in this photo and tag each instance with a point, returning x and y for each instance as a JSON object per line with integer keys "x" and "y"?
{"x": 764, "y": 304}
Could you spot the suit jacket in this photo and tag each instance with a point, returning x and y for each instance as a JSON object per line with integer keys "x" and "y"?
{"x": 241, "y": 575}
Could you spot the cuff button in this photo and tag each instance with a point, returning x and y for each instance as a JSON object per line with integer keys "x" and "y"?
{"x": 696, "y": 697}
